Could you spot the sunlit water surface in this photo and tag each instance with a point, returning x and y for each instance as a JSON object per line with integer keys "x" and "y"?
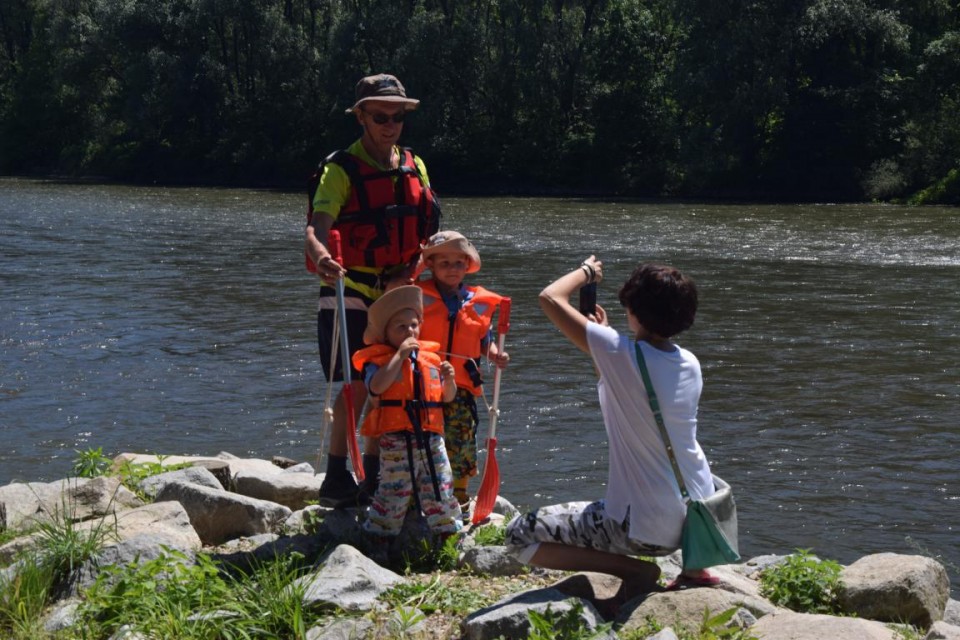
{"x": 181, "y": 321}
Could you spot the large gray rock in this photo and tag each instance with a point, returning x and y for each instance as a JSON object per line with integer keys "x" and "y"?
{"x": 97, "y": 507}
{"x": 24, "y": 502}
{"x": 664, "y": 634}
{"x": 139, "y": 549}
{"x": 306, "y": 520}
{"x": 165, "y": 521}
{"x": 95, "y": 498}
{"x": 218, "y": 516}
{"x": 685, "y": 608}
{"x": 62, "y": 616}
{"x": 73, "y": 499}
{"x": 341, "y": 526}
{"x": 943, "y": 631}
{"x": 895, "y": 588}
{"x": 509, "y": 617}
{"x": 198, "y": 475}
{"x": 951, "y": 614}
{"x": 491, "y": 560}
{"x": 293, "y": 490}
{"x": 347, "y": 579}
{"x": 505, "y": 508}
{"x": 605, "y": 592}
{"x": 789, "y": 625}
{"x": 343, "y": 629}
{"x": 236, "y": 464}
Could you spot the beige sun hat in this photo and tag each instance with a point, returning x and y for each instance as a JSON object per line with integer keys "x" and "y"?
{"x": 386, "y": 306}
{"x": 444, "y": 241}
{"x": 382, "y": 87}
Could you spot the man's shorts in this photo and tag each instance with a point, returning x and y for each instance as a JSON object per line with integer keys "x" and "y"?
{"x": 356, "y": 310}
{"x": 576, "y": 524}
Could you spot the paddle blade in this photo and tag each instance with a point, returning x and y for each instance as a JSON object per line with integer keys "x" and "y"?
{"x": 503, "y": 324}
{"x": 353, "y": 447}
{"x": 489, "y": 486}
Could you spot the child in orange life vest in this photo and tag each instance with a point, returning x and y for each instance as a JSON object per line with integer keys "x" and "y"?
{"x": 459, "y": 317}
{"x": 407, "y": 383}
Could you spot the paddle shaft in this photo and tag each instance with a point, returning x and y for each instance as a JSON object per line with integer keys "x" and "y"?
{"x": 490, "y": 484}
{"x": 353, "y": 447}
{"x": 503, "y": 326}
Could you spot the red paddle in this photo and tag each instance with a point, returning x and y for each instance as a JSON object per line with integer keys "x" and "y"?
{"x": 353, "y": 447}
{"x": 490, "y": 485}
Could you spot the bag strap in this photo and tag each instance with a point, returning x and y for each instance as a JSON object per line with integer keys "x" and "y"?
{"x": 655, "y": 407}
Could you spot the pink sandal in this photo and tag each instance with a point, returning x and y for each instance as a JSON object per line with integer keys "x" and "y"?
{"x": 700, "y": 579}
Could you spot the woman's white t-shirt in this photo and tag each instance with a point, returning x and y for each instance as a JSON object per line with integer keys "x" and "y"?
{"x": 641, "y": 481}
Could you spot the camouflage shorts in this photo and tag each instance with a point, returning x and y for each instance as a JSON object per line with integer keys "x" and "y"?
{"x": 460, "y": 433}
{"x": 577, "y": 524}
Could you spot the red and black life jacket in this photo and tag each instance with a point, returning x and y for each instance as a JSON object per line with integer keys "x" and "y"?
{"x": 385, "y": 221}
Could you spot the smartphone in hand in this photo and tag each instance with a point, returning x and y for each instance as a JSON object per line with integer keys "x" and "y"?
{"x": 588, "y": 299}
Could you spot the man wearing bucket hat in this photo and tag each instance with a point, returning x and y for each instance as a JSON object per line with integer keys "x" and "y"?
{"x": 408, "y": 383}
{"x": 378, "y": 196}
{"x": 459, "y": 316}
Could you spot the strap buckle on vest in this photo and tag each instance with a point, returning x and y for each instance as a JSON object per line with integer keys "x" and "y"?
{"x": 414, "y": 404}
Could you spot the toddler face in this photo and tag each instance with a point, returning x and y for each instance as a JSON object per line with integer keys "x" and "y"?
{"x": 402, "y": 325}
{"x": 449, "y": 267}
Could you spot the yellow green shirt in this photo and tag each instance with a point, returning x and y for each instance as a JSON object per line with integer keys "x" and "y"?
{"x": 333, "y": 193}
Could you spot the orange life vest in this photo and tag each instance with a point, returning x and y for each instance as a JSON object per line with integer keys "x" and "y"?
{"x": 389, "y": 213}
{"x": 392, "y": 408}
{"x": 464, "y": 335}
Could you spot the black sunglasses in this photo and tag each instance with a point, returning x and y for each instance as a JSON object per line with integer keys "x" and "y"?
{"x": 382, "y": 118}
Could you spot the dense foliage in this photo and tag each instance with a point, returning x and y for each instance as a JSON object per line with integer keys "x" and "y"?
{"x": 778, "y": 99}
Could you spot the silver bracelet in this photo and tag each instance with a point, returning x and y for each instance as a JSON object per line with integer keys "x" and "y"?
{"x": 590, "y": 271}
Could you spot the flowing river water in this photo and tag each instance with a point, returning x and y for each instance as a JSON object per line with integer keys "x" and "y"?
{"x": 181, "y": 321}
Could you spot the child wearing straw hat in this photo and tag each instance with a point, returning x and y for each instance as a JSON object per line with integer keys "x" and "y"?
{"x": 407, "y": 383}
{"x": 459, "y": 317}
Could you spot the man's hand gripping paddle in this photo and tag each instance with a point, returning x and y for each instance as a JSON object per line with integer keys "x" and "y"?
{"x": 490, "y": 485}
{"x": 353, "y": 447}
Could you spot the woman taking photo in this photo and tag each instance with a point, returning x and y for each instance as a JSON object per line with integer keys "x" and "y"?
{"x": 642, "y": 512}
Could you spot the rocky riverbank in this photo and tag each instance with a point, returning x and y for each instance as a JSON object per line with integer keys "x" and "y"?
{"x": 239, "y": 510}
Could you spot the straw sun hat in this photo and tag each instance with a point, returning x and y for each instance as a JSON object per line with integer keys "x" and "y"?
{"x": 452, "y": 241}
{"x": 386, "y": 306}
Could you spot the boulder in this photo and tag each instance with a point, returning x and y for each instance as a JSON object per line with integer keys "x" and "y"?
{"x": 24, "y": 502}
{"x": 293, "y": 490}
{"x": 603, "y": 591}
{"x": 490, "y": 560}
{"x": 789, "y": 625}
{"x": 198, "y": 475}
{"x": 236, "y": 464}
{"x": 940, "y": 630}
{"x": 509, "y": 618}
{"x": 347, "y": 579}
{"x": 218, "y": 516}
{"x": 137, "y": 550}
{"x": 62, "y": 616}
{"x": 165, "y": 521}
{"x": 342, "y": 629}
{"x": 74, "y": 499}
{"x": 306, "y": 520}
{"x": 300, "y": 467}
{"x": 893, "y": 587}
{"x": 951, "y": 613}
{"x": 685, "y": 608}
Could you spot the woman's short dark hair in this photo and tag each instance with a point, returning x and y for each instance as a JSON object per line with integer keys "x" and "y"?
{"x": 661, "y": 298}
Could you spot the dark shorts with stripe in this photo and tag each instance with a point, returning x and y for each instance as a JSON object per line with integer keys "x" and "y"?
{"x": 356, "y": 305}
